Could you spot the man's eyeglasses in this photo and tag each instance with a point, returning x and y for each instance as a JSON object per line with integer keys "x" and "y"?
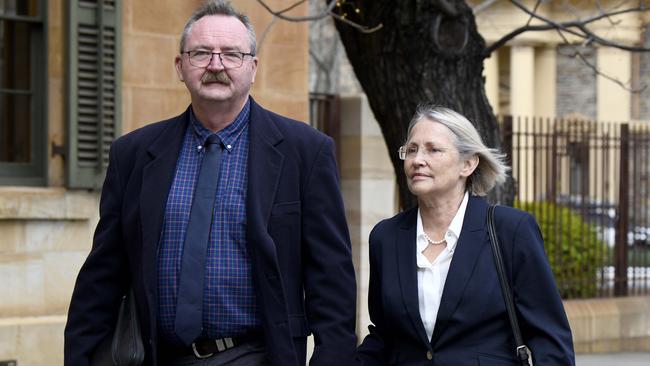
{"x": 229, "y": 60}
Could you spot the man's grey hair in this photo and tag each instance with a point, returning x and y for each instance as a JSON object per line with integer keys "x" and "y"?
{"x": 219, "y": 7}
{"x": 491, "y": 169}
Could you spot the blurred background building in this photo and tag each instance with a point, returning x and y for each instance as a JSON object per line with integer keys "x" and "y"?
{"x": 73, "y": 76}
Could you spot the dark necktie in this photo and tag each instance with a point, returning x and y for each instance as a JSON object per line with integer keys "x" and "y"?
{"x": 189, "y": 307}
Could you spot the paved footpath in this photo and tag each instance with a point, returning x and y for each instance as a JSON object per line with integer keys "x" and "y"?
{"x": 614, "y": 359}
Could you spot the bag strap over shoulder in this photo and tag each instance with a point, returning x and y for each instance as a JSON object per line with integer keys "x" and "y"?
{"x": 522, "y": 349}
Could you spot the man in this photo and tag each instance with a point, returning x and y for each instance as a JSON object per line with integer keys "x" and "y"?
{"x": 271, "y": 261}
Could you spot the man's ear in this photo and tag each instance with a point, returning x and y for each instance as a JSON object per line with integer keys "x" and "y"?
{"x": 254, "y": 66}
{"x": 178, "y": 64}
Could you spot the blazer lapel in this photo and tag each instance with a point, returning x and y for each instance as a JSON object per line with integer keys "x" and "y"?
{"x": 472, "y": 240}
{"x": 264, "y": 168}
{"x": 407, "y": 264}
{"x": 157, "y": 177}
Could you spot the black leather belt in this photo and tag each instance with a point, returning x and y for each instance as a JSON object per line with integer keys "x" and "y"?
{"x": 204, "y": 348}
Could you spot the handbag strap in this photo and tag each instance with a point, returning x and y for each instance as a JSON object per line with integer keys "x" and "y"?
{"x": 522, "y": 350}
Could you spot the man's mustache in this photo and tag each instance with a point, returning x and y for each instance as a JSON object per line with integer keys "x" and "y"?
{"x": 219, "y": 77}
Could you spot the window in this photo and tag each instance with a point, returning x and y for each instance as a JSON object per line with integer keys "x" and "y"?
{"x": 23, "y": 132}
{"x": 93, "y": 89}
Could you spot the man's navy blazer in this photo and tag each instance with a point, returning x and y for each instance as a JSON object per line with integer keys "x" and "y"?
{"x": 472, "y": 326}
{"x": 297, "y": 238}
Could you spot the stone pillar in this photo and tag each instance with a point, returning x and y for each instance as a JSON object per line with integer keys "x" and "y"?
{"x": 522, "y": 80}
{"x": 545, "y": 62}
{"x": 368, "y": 185}
{"x": 522, "y": 107}
{"x": 614, "y": 101}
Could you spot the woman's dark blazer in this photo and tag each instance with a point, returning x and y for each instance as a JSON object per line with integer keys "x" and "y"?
{"x": 472, "y": 326}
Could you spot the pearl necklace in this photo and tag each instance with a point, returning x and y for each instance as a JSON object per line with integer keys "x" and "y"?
{"x": 434, "y": 242}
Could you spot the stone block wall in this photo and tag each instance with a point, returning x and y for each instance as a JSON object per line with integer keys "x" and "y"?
{"x": 576, "y": 82}
{"x": 151, "y": 36}
{"x": 644, "y": 78}
{"x": 45, "y": 238}
{"x": 610, "y": 325}
{"x": 283, "y": 50}
{"x": 46, "y": 233}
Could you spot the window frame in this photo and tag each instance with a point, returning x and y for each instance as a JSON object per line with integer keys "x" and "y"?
{"x": 33, "y": 173}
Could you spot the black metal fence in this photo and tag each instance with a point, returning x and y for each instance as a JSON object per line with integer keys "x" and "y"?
{"x": 588, "y": 184}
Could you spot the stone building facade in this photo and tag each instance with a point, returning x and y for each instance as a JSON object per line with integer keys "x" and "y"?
{"x": 644, "y": 78}
{"x": 46, "y": 227}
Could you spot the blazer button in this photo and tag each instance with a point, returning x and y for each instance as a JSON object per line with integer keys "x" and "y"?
{"x": 429, "y": 355}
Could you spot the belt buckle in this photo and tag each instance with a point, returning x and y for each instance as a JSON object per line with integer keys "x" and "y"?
{"x": 197, "y": 354}
{"x": 224, "y": 344}
{"x": 221, "y": 343}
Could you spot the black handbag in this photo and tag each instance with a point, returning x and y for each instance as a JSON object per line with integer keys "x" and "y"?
{"x": 124, "y": 347}
{"x": 522, "y": 350}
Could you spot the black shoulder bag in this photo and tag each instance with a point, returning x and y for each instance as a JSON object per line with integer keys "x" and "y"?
{"x": 522, "y": 350}
{"x": 124, "y": 347}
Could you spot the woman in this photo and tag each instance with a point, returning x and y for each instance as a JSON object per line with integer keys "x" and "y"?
{"x": 434, "y": 295}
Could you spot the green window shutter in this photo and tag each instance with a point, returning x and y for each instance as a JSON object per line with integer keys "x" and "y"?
{"x": 93, "y": 89}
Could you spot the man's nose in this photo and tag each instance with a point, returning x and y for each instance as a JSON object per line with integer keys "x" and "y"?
{"x": 215, "y": 62}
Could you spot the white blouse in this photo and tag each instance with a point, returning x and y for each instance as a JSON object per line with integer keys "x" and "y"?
{"x": 432, "y": 275}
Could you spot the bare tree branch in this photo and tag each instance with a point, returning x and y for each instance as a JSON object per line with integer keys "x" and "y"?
{"x": 265, "y": 33}
{"x": 532, "y": 16}
{"x": 588, "y": 34}
{"x": 292, "y": 6}
{"x": 605, "y": 42}
{"x": 603, "y": 11}
{"x": 324, "y": 14}
{"x": 280, "y": 14}
{"x": 595, "y": 68}
{"x": 361, "y": 28}
{"x": 530, "y": 28}
{"x": 639, "y": 9}
{"x": 577, "y": 28}
{"x": 321, "y": 65}
{"x": 324, "y": 69}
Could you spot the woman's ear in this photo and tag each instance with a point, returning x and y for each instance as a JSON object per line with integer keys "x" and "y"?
{"x": 469, "y": 165}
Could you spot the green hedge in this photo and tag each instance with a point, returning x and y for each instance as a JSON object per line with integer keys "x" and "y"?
{"x": 575, "y": 252}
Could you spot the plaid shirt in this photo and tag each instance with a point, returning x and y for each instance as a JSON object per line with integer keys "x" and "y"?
{"x": 229, "y": 304}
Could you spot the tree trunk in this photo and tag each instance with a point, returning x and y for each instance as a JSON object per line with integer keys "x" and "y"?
{"x": 426, "y": 51}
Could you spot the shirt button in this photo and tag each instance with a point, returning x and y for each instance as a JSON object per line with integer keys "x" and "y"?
{"x": 429, "y": 356}
{"x": 229, "y": 147}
